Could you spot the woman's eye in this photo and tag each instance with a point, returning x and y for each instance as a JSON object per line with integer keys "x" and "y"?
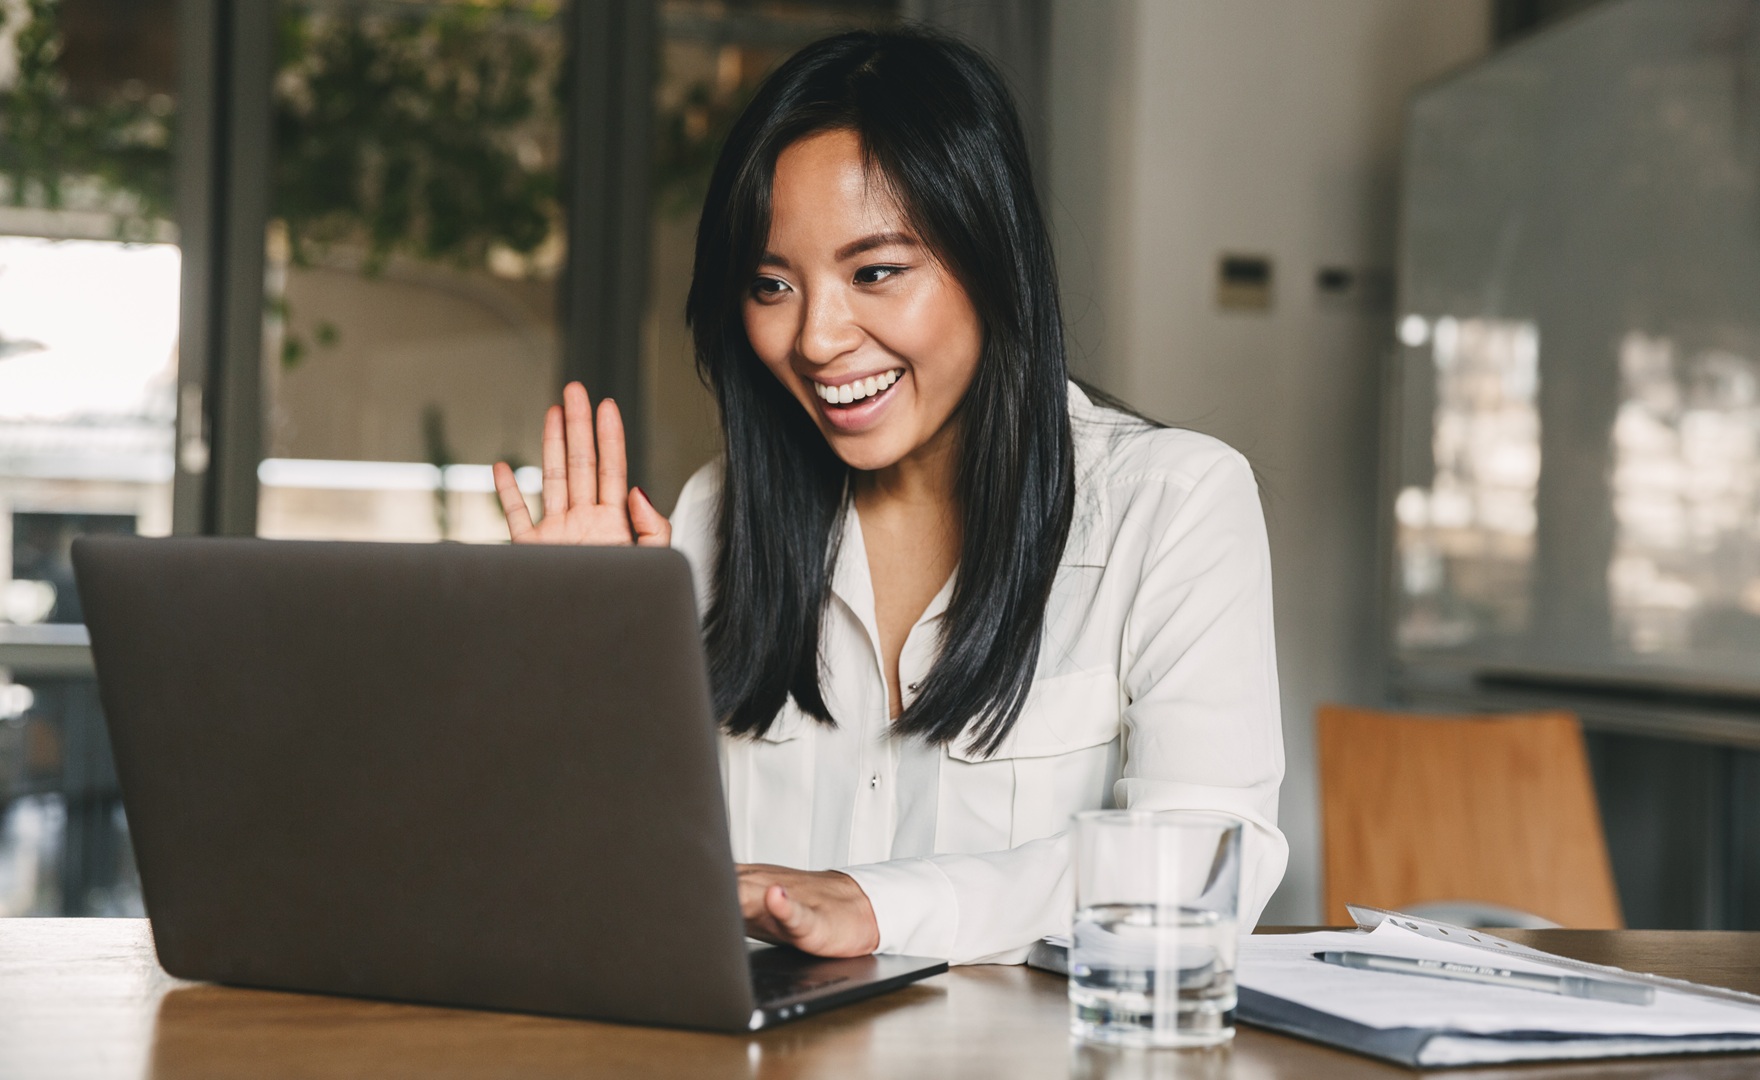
{"x": 873, "y": 275}
{"x": 766, "y": 288}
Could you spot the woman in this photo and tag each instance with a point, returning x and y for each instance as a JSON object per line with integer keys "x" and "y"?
{"x": 950, "y": 600}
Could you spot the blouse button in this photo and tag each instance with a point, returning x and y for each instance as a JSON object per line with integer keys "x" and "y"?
{"x": 912, "y": 687}
{"x": 874, "y": 781}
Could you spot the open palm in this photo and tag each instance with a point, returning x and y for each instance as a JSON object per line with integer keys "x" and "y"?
{"x": 587, "y": 497}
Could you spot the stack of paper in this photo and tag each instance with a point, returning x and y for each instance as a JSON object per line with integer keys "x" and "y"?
{"x": 1420, "y": 1021}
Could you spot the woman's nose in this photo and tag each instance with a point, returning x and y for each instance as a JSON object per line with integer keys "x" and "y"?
{"x": 828, "y": 329}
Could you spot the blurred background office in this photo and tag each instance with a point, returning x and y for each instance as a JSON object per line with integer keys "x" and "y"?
{"x": 1472, "y": 283}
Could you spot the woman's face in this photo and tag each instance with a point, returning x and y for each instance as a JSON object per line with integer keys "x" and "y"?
{"x": 853, "y": 314}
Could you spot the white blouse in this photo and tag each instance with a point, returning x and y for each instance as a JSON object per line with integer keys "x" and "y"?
{"x": 1156, "y": 688}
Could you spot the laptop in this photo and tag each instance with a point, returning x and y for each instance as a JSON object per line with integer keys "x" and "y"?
{"x": 438, "y": 773}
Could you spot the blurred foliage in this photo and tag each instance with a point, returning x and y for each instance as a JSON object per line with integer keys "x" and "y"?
{"x": 425, "y": 130}
{"x": 688, "y": 139}
{"x": 51, "y": 145}
{"x": 417, "y": 132}
{"x": 421, "y": 133}
{"x": 432, "y": 133}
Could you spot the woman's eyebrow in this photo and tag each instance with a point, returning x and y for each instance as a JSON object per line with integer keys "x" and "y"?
{"x": 869, "y": 243}
{"x": 770, "y": 258}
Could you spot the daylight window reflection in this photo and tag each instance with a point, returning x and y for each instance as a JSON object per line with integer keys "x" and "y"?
{"x": 1466, "y": 541}
{"x": 1686, "y": 494}
{"x": 86, "y": 407}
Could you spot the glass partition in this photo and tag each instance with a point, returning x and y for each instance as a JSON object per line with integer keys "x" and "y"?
{"x": 418, "y": 242}
{"x": 89, "y": 280}
{"x": 1578, "y": 489}
{"x": 416, "y": 239}
{"x": 416, "y": 245}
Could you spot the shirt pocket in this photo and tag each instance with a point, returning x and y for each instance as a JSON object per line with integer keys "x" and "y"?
{"x": 1060, "y": 757}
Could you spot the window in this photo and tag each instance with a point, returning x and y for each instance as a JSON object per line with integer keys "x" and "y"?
{"x": 381, "y": 286}
{"x": 415, "y": 243}
{"x": 89, "y": 295}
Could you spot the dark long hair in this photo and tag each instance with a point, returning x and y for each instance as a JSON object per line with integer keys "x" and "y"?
{"x": 936, "y": 121}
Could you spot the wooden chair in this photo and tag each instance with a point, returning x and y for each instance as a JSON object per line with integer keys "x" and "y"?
{"x": 1493, "y": 810}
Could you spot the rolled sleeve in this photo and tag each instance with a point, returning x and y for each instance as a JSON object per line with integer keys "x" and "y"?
{"x": 971, "y": 909}
{"x": 914, "y": 904}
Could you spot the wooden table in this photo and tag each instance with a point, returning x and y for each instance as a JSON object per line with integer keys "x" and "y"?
{"x": 85, "y": 998}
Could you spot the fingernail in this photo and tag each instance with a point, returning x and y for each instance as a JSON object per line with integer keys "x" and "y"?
{"x": 638, "y": 491}
{"x": 784, "y": 892}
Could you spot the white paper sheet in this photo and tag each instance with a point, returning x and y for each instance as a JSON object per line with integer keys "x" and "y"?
{"x": 1283, "y": 966}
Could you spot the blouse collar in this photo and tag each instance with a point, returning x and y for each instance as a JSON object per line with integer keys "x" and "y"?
{"x": 1091, "y": 429}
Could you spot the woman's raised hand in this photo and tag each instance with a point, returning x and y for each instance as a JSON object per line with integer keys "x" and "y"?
{"x": 587, "y": 497}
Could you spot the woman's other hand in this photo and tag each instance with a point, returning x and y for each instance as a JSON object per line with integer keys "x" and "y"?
{"x": 820, "y": 912}
{"x": 587, "y": 497}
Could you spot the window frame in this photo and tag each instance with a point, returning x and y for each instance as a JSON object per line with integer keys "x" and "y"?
{"x": 224, "y": 173}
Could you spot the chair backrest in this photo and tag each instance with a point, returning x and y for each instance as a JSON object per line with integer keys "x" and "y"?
{"x": 1496, "y": 809}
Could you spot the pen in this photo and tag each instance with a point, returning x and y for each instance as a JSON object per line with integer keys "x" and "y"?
{"x": 1580, "y": 986}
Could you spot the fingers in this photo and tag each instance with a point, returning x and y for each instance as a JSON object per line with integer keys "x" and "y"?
{"x": 795, "y": 920}
{"x": 578, "y": 430}
{"x": 652, "y": 528}
{"x": 824, "y": 913}
{"x": 513, "y": 502}
{"x": 613, "y": 459}
{"x": 555, "y": 464}
{"x": 759, "y": 923}
{"x": 756, "y": 883}
{"x": 772, "y": 915}
{"x": 752, "y": 887}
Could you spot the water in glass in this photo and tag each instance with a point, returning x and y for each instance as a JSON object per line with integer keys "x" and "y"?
{"x": 1115, "y": 997}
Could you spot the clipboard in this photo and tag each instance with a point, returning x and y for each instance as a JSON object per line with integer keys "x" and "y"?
{"x": 1447, "y": 1045}
{"x": 1423, "y": 1047}
{"x": 1368, "y": 918}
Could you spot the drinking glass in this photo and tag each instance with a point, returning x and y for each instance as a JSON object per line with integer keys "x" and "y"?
{"x": 1152, "y": 950}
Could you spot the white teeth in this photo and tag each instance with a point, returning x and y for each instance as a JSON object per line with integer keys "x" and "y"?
{"x": 857, "y": 389}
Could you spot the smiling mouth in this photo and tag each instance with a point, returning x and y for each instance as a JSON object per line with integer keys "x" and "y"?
{"x": 857, "y": 390}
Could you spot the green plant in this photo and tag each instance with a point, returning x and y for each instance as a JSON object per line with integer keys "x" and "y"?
{"x": 428, "y": 133}
{"x": 687, "y": 140}
{"x": 52, "y": 144}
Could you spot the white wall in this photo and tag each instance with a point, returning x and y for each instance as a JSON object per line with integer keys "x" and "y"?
{"x": 1180, "y": 129}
